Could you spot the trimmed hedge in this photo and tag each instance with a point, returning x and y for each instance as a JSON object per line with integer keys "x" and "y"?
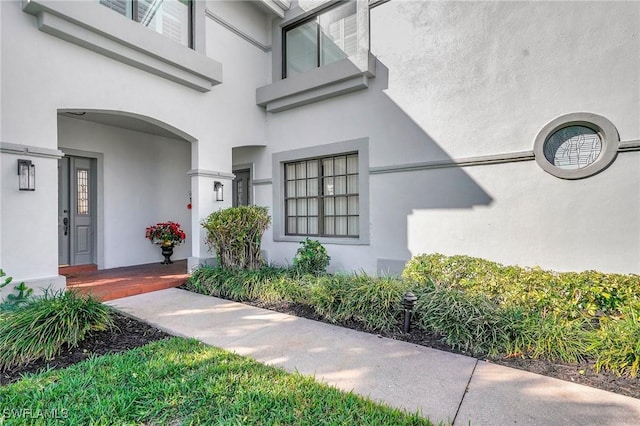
{"x": 568, "y": 294}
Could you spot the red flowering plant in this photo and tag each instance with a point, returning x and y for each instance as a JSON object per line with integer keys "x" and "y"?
{"x": 166, "y": 233}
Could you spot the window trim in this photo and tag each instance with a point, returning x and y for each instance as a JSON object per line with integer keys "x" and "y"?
{"x": 347, "y": 75}
{"x": 279, "y": 159}
{"x": 96, "y": 28}
{"x": 603, "y": 127}
{"x": 322, "y": 197}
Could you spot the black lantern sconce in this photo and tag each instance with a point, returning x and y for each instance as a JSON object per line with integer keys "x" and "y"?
{"x": 26, "y": 175}
{"x": 217, "y": 187}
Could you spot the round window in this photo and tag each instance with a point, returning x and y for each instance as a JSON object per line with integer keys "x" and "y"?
{"x": 573, "y": 147}
{"x": 577, "y": 145}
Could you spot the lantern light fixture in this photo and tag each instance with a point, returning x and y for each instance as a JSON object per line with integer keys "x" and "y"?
{"x": 26, "y": 175}
{"x": 217, "y": 187}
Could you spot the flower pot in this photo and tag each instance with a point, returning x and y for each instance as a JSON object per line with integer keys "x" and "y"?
{"x": 167, "y": 252}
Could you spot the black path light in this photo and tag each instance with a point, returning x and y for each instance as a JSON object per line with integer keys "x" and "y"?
{"x": 408, "y": 301}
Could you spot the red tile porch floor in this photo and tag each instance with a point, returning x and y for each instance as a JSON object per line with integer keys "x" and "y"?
{"x": 109, "y": 284}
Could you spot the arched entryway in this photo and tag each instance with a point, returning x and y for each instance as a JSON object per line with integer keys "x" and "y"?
{"x": 121, "y": 172}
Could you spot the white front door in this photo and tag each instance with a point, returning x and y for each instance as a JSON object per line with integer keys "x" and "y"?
{"x": 76, "y": 211}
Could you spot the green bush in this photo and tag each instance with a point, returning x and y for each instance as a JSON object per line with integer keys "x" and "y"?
{"x": 312, "y": 258}
{"x": 572, "y": 295}
{"x": 555, "y": 338}
{"x": 266, "y": 283}
{"x": 374, "y": 302}
{"x": 235, "y": 234}
{"x": 14, "y": 301}
{"x": 41, "y": 328}
{"x": 469, "y": 322}
{"x": 616, "y": 343}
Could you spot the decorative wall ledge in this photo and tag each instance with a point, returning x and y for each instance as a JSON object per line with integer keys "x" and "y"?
{"x": 94, "y": 27}
{"x": 344, "y": 76}
{"x": 31, "y": 151}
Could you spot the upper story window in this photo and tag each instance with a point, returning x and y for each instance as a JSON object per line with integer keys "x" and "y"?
{"x": 320, "y": 40}
{"x": 171, "y": 18}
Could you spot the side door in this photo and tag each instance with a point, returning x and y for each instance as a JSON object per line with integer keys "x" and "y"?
{"x": 242, "y": 188}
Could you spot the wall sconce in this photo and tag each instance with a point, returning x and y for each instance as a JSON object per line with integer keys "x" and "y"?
{"x": 217, "y": 187}
{"x": 26, "y": 175}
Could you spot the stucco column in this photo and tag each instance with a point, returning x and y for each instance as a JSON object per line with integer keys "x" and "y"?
{"x": 203, "y": 204}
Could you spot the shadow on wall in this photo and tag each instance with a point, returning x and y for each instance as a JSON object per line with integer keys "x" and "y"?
{"x": 395, "y": 195}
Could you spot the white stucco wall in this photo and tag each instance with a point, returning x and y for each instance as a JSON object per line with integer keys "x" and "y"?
{"x": 465, "y": 79}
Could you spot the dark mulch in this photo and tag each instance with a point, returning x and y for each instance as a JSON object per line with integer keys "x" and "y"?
{"x": 582, "y": 373}
{"x": 128, "y": 334}
{"x": 131, "y": 333}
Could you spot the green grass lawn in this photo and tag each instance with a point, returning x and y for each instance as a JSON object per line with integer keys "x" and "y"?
{"x": 181, "y": 381}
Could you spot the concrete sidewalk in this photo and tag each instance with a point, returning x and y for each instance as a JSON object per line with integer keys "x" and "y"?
{"x": 443, "y": 386}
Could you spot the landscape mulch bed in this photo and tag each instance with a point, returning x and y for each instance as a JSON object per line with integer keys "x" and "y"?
{"x": 130, "y": 333}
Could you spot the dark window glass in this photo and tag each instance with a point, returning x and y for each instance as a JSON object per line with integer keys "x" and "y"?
{"x": 322, "y": 196}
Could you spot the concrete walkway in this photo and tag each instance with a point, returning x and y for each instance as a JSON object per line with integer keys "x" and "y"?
{"x": 442, "y": 386}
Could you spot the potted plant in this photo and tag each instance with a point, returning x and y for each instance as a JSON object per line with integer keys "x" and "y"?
{"x": 167, "y": 235}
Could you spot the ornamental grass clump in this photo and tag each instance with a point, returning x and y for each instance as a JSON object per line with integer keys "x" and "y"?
{"x": 373, "y": 302}
{"x": 235, "y": 234}
{"x": 41, "y": 328}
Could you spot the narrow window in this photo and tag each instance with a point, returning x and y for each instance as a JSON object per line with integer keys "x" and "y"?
{"x": 82, "y": 191}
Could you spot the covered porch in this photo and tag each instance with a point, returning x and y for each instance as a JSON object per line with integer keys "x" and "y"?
{"x": 109, "y": 284}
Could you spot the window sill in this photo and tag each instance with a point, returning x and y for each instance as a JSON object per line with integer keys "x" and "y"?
{"x": 323, "y": 240}
{"x": 94, "y": 27}
{"x": 344, "y": 76}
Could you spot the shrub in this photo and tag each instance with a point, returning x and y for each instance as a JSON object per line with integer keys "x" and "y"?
{"x": 374, "y": 302}
{"x": 266, "y": 283}
{"x": 235, "y": 234}
{"x": 469, "y": 322}
{"x": 14, "y": 301}
{"x": 312, "y": 258}
{"x": 572, "y": 295}
{"x": 556, "y": 338}
{"x": 40, "y": 329}
{"x": 616, "y": 343}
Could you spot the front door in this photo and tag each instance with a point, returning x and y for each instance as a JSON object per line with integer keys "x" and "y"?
{"x": 242, "y": 188}
{"x": 76, "y": 211}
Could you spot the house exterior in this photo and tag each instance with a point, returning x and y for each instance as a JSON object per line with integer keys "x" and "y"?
{"x": 384, "y": 129}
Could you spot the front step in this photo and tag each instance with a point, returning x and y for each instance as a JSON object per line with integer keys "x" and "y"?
{"x": 67, "y": 270}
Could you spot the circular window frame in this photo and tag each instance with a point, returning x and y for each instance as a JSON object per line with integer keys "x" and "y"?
{"x": 604, "y": 128}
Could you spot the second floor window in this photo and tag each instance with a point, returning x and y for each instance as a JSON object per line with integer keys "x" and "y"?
{"x": 325, "y": 38}
{"x": 171, "y": 18}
